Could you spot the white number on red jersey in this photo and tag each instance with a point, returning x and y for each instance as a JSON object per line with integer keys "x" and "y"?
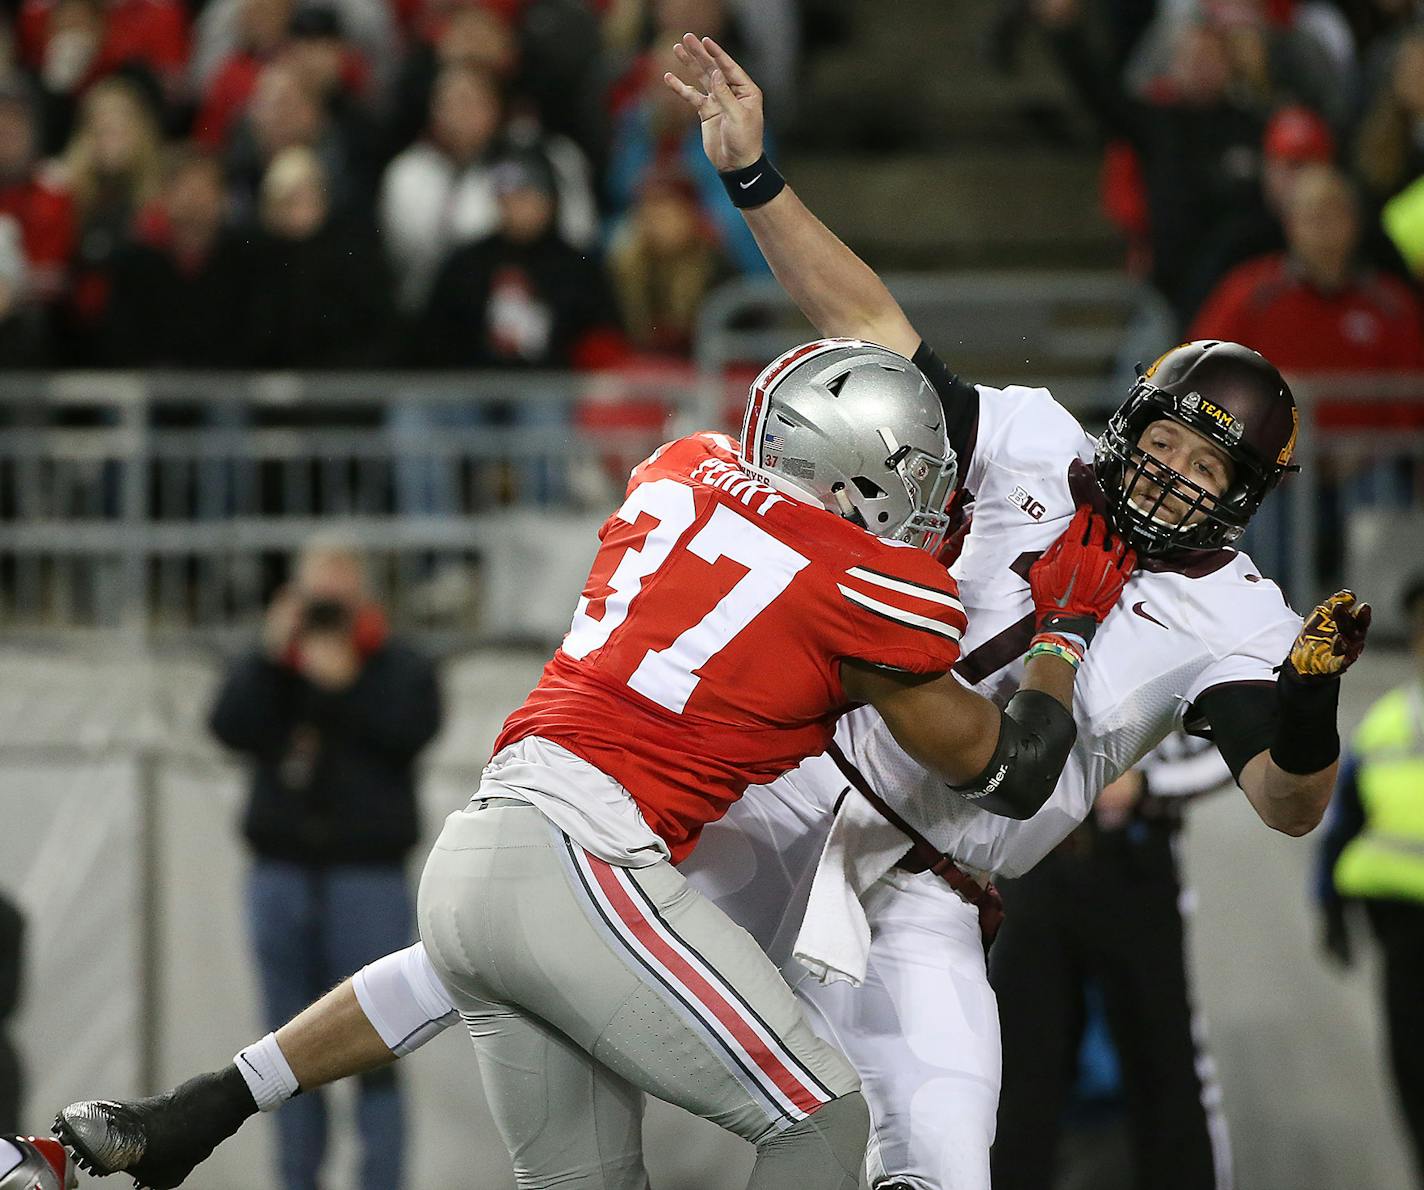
{"x": 667, "y": 676}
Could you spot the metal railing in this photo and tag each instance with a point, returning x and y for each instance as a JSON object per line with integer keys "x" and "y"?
{"x": 164, "y": 504}
{"x": 167, "y": 506}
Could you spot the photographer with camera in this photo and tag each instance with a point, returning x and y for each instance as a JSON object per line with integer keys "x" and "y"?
{"x": 332, "y": 712}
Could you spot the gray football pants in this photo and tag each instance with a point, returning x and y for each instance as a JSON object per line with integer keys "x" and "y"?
{"x": 583, "y": 985}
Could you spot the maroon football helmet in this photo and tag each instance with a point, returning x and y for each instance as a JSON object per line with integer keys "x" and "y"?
{"x": 1232, "y": 396}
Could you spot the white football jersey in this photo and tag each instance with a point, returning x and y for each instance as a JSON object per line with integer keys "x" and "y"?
{"x": 1172, "y": 636}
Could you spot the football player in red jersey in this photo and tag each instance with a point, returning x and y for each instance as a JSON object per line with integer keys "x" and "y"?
{"x": 744, "y": 597}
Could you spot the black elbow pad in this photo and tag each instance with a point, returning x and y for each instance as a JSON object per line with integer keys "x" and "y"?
{"x": 1036, "y": 734}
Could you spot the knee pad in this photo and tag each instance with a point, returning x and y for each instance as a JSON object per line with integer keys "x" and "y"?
{"x": 404, "y": 999}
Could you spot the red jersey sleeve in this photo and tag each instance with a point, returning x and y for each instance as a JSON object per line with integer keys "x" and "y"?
{"x": 903, "y": 611}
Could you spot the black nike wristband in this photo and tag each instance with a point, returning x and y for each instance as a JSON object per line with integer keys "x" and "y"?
{"x": 753, "y": 185}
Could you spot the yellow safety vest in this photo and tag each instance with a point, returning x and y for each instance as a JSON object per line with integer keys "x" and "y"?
{"x": 1386, "y": 860}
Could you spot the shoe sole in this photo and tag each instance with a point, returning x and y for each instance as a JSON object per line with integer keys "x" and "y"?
{"x": 81, "y": 1155}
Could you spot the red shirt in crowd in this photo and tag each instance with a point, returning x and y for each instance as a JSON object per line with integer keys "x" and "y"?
{"x": 151, "y": 31}
{"x": 1374, "y": 324}
{"x": 45, "y": 213}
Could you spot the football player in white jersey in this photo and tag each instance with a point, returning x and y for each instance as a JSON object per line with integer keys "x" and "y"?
{"x": 1206, "y": 433}
{"x": 1201, "y": 639}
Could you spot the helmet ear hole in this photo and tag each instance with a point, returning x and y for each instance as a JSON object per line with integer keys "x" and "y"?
{"x": 868, "y": 487}
{"x": 883, "y": 517}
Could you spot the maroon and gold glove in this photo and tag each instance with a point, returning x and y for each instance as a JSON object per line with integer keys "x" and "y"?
{"x": 1078, "y": 579}
{"x": 1332, "y": 638}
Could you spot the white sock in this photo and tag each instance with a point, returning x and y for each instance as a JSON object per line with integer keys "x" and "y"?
{"x": 264, "y": 1069}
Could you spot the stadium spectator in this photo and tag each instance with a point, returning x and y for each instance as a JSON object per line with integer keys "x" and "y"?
{"x": 663, "y": 262}
{"x": 317, "y": 49}
{"x": 438, "y": 193}
{"x": 262, "y": 29}
{"x": 522, "y": 297}
{"x": 1277, "y": 54}
{"x": 71, "y": 44}
{"x": 12, "y": 937}
{"x": 332, "y": 711}
{"x": 287, "y": 111}
{"x": 655, "y": 131}
{"x": 1107, "y": 907}
{"x": 320, "y": 289}
{"x": 113, "y": 168}
{"x": 1389, "y": 146}
{"x": 31, "y": 194}
{"x": 369, "y": 25}
{"x": 181, "y": 293}
{"x": 1372, "y": 853}
{"x": 557, "y": 75}
{"x": 450, "y": 34}
{"x": 1314, "y": 307}
{"x": 1295, "y": 137}
{"x": 1317, "y": 308}
{"x": 1197, "y": 140}
{"x": 24, "y": 332}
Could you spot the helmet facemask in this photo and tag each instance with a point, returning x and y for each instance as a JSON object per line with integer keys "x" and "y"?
{"x": 1140, "y": 488}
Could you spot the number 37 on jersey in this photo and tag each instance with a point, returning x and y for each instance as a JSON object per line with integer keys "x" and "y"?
{"x": 715, "y": 596}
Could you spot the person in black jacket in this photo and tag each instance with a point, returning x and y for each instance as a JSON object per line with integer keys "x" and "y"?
{"x": 1102, "y": 919}
{"x": 180, "y": 298}
{"x": 523, "y": 297}
{"x": 333, "y": 712}
{"x": 322, "y": 293}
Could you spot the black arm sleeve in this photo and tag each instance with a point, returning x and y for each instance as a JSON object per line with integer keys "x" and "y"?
{"x": 1036, "y": 734}
{"x": 960, "y": 400}
{"x": 1239, "y": 717}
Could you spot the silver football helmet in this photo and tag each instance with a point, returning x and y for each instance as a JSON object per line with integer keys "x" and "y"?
{"x": 855, "y": 428}
{"x": 32, "y": 1163}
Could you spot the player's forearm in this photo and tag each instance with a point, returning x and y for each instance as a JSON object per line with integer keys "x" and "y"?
{"x": 1050, "y": 676}
{"x": 837, "y": 291}
{"x": 1292, "y": 803}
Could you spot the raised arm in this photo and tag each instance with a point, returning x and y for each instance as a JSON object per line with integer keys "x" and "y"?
{"x": 835, "y": 289}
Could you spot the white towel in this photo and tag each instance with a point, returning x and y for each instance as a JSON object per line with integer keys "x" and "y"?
{"x": 834, "y": 942}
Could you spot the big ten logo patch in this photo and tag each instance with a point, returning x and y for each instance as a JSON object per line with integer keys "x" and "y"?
{"x": 1021, "y": 499}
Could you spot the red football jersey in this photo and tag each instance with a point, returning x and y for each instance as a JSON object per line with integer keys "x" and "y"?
{"x": 704, "y": 653}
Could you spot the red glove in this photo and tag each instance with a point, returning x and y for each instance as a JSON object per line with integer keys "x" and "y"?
{"x": 1079, "y": 577}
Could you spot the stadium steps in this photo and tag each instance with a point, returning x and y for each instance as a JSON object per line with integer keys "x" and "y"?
{"x": 908, "y": 116}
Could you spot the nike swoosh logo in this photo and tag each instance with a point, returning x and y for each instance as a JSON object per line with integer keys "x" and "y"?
{"x": 249, "y": 1065}
{"x": 1140, "y": 609}
{"x": 749, "y": 185}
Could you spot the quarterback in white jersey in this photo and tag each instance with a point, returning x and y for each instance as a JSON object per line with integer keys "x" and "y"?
{"x": 1199, "y": 639}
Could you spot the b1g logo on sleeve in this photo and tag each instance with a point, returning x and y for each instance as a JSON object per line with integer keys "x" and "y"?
{"x": 1021, "y": 499}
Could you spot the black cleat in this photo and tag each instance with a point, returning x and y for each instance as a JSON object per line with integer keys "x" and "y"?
{"x": 159, "y": 1140}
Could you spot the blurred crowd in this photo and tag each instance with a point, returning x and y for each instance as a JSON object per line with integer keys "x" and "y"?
{"x": 361, "y": 183}
{"x": 1265, "y": 163}
{"x": 507, "y": 183}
